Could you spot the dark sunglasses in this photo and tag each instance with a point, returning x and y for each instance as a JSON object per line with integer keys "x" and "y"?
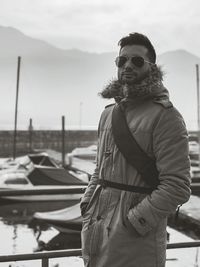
{"x": 137, "y": 61}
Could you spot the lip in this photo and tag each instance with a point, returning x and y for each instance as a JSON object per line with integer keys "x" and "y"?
{"x": 128, "y": 74}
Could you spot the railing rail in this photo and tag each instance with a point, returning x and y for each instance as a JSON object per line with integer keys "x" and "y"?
{"x": 190, "y": 244}
{"x": 45, "y": 256}
{"x": 41, "y": 255}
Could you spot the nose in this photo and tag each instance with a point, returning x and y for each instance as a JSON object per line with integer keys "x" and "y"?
{"x": 128, "y": 68}
{"x": 128, "y": 65}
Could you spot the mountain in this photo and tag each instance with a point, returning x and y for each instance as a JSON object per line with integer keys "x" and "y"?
{"x": 56, "y": 82}
{"x": 180, "y": 79}
{"x": 53, "y": 82}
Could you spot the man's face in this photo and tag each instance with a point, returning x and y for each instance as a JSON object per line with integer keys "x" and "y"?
{"x": 129, "y": 73}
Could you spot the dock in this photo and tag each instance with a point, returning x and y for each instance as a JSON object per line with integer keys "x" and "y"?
{"x": 190, "y": 212}
{"x": 191, "y": 209}
{"x": 188, "y": 220}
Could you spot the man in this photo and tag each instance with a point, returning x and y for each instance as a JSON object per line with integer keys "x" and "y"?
{"x": 123, "y": 227}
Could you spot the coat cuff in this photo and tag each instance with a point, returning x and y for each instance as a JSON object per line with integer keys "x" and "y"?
{"x": 138, "y": 222}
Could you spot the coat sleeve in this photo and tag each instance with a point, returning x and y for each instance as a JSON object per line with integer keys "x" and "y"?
{"x": 91, "y": 186}
{"x": 171, "y": 150}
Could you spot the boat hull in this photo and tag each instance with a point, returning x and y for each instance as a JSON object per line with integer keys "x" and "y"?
{"x": 45, "y": 198}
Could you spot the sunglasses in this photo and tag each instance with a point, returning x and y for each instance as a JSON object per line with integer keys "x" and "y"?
{"x": 137, "y": 61}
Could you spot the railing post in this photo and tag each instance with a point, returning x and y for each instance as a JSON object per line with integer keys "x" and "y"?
{"x": 45, "y": 262}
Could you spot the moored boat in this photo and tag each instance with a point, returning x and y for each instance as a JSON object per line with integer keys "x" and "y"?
{"x": 68, "y": 220}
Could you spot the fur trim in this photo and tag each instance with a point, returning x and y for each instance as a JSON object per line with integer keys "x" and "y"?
{"x": 149, "y": 86}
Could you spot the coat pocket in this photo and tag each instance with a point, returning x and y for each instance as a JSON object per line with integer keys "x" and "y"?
{"x": 130, "y": 228}
{"x": 133, "y": 200}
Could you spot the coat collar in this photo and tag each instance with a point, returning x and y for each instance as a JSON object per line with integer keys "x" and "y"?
{"x": 150, "y": 87}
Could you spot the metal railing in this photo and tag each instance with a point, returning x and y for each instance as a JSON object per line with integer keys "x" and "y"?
{"x": 190, "y": 244}
{"x": 45, "y": 256}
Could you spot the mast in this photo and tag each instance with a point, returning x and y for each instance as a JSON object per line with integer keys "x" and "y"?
{"x": 198, "y": 108}
{"x": 63, "y": 141}
{"x": 16, "y": 107}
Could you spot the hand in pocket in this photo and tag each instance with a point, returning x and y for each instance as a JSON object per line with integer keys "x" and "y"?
{"x": 130, "y": 227}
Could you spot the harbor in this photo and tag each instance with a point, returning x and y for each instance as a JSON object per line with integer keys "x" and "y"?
{"x": 47, "y": 160}
{"x": 31, "y": 224}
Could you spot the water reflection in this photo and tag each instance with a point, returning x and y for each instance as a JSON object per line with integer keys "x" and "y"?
{"x": 14, "y": 239}
{"x": 20, "y": 236}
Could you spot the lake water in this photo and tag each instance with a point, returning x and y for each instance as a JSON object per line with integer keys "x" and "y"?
{"x": 19, "y": 235}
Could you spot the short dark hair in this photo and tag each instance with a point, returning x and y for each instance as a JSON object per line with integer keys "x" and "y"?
{"x": 139, "y": 39}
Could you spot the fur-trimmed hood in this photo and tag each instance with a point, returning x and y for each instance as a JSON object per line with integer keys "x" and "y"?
{"x": 151, "y": 86}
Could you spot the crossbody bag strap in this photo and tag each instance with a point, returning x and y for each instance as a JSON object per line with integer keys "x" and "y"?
{"x": 130, "y": 149}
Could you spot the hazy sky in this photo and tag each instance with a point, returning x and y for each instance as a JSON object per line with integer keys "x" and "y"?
{"x": 95, "y": 25}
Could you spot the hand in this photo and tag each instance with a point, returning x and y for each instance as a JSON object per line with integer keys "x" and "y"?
{"x": 83, "y": 207}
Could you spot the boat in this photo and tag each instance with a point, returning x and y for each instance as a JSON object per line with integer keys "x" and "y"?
{"x": 18, "y": 180}
{"x": 46, "y": 197}
{"x": 42, "y": 159}
{"x": 83, "y": 159}
{"x": 20, "y": 163}
{"x": 60, "y": 241}
{"x": 82, "y": 165}
{"x": 42, "y": 175}
{"x": 39, "y": 172}
{"x": 41, "y": 198}
{"x": 12, "y": 208}
{"x": 27, "y": 162}
{"x": 68, "y": 220}
{"x": 86, "y": 153}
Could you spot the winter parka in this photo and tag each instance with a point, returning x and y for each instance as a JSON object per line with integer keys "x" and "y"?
{"x": 122, "y": 228}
